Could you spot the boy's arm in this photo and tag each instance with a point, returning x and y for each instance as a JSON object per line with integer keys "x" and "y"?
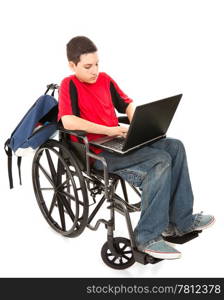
{"x": 121, "y": 101}
{"x": 72, "y": 122}
{"x": 130, "y": 111}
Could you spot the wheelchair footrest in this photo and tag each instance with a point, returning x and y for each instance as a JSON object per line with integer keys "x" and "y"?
{"x": 144, "y": 258}
{"x": 182, "y": 239}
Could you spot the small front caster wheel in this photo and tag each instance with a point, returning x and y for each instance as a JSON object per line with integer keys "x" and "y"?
{"x": 122, "y": 258}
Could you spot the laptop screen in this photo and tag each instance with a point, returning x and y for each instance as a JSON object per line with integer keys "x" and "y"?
{"x": 151, "y": 120}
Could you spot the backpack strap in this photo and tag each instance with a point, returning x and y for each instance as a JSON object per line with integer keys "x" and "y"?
{"x": 8, "y": 151}
{"x": 19, "y": 160}
{"x": 53, "y": 87}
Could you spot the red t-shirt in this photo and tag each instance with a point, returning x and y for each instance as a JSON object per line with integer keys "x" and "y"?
{"x": 93, "y": 102}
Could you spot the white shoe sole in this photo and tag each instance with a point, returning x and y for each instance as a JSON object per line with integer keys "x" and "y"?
{"x": 206, "y": 226}
{"x": 163, "y": 255}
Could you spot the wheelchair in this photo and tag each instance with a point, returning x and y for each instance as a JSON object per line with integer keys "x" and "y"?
{"x": 64, "y": 181}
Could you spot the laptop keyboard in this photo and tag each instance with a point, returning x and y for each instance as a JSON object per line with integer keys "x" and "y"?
{"x": 116, "y": 143}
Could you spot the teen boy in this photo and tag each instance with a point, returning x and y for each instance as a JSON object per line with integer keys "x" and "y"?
{"x": 87, "y": 101}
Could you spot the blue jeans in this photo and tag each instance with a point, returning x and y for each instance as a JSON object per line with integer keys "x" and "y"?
{"x": 160, "y": 170}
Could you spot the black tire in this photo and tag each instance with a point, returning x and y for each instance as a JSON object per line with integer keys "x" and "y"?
{"x": 60, "y": 189}
{"x": 124, "y": 257}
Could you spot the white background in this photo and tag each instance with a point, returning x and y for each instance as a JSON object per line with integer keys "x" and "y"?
{"x": 153, "y": 49}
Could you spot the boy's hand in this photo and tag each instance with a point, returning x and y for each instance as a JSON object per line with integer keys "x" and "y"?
{"x": 117, "y": 130}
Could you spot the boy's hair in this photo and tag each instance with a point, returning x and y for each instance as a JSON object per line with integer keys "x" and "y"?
{"x": 77, "y": 46}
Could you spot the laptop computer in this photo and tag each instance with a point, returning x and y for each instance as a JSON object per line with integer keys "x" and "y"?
{"x": 149, "y": 124}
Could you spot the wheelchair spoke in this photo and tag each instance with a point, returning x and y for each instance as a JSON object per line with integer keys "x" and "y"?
{"x": 126, "y": 257}
{"x": 61, "y": 214}
{"x": 124, "y": 247}
{"x": 62, "y": 185}
{"x": 64, "y": 193}
{"x": 80, "y": 202}
{"x": 127, "y": 252}
{"x": 67, "y": 206}
{"x": 53, "y": 202}
{"x": 72, "y": 197}
{"x": 46, "y": 174}
{"x": 75, "y": 189}
{"x": 51, "y": 165}
{"x": 113, "y": 260}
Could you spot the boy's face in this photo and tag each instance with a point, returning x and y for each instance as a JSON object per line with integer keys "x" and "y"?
{"x": 87, "y": 68}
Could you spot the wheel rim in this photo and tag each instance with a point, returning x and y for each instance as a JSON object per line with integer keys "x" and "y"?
{"x": 60, "y": 189}
{"x": 123, "y": 258}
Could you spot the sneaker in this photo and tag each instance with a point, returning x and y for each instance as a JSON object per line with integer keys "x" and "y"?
{"x": 160, "y": 249}
{"x": 201, "y": 222}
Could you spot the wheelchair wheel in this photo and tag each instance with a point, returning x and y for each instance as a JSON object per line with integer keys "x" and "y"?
{"x": 123, "y": 258}
{"x": 60, "y": 189}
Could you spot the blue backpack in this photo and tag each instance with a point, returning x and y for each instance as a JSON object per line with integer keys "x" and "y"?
{"x": 35, "y": 128}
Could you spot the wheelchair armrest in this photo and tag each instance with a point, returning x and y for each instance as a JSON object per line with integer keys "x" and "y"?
{"x": 77, "y": 133}
{"x": 123, "y": 119}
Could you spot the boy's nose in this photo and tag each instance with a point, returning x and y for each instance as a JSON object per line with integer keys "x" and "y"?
{"x": 94, "y": 73}
{"x": 94, "y": 70}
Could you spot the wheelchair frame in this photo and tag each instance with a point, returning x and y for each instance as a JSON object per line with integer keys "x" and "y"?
{"x": 64, "y": 161}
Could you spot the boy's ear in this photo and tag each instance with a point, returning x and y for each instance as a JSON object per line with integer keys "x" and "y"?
{"x": 72, "y": 65}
